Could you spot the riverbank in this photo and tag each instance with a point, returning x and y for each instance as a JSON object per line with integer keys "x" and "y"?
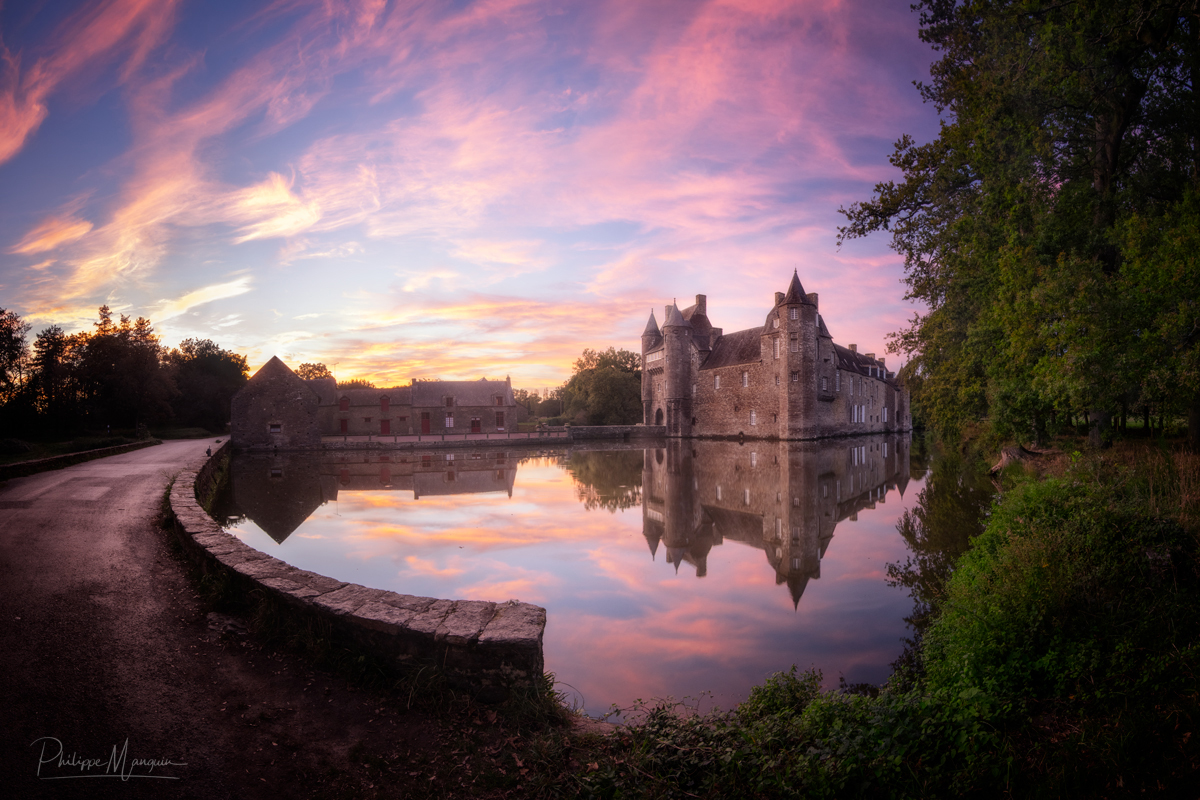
{"x": 1062, "y": 661}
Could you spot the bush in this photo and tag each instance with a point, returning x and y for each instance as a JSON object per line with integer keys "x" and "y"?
{"x": 1064, "y": 596}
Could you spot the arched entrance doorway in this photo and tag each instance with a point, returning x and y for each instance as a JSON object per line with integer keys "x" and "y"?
{"x": 658, "y": 417}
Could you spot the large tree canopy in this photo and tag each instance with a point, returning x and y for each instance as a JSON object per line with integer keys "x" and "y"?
{"x": 605, "y": 389}
{"x": 1051, "y": 229}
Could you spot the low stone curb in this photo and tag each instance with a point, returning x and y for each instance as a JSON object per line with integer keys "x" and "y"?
{"x": 479, "y": 643}
{"x": 22, "y": 468}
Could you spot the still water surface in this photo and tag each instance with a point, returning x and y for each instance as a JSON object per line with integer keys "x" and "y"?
{"x": 678, "y": 570}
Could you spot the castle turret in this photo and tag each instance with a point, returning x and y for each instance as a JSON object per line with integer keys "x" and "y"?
{"x": 651, "y": 339}
{"x": 677, "y": 344}
{"x": 798, "y": 313}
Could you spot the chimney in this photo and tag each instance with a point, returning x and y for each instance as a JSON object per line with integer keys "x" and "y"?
{"x": 778, "y": 298}
{"x": 871, "y": 356}
{"x": 852, "y": 347}
{"x": 812, "y": 297}
{"x": 881, "y": 362}
{"x": 701, "y": 304}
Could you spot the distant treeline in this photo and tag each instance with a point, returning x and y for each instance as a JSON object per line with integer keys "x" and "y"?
{"x": 116, "y": 377}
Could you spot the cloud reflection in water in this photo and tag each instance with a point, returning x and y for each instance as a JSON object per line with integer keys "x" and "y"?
{"x": 692, "y": 567}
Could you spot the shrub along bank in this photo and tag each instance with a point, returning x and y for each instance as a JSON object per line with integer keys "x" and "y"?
{"x": 1063, "y": 662}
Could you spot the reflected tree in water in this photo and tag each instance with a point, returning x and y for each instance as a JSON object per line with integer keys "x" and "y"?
{"x": 607, "y": 480}
{"x": 948, "y": 514}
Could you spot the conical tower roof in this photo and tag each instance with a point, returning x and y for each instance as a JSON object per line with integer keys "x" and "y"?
{"x": 675, "y": 319}
{"x": 795, "y": 292}
{"x": 651, "y": 326}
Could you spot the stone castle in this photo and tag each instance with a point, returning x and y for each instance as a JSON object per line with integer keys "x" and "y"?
{"x": 784, "y": 380}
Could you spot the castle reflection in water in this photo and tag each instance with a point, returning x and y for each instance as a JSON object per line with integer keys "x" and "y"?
{"x": 784, "y": 498}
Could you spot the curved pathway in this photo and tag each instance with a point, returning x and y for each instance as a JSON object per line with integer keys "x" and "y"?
{"x": 105, "y": 645}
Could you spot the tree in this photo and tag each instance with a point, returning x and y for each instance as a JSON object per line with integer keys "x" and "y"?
{"x": 529, "y": 400}
{"x": 14, "y": 351}
{"x": 312, "y": 371}
{"x": 355, "y": 383}
{"x": 207, "y": 378}
{"x": 1069, "y": 130}
{"x": 606, "y": 388}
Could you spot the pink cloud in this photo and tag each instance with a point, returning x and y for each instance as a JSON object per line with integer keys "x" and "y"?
{"x": 92, "y": 37}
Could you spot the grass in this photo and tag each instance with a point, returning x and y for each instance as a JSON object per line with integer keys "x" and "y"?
{"x": 13, "y": 451}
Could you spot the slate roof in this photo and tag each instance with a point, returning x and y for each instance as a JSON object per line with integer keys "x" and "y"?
{"x": 651, "y": 326}
{"x": 675, "y": 319}
{"x": 795, "y": 292}
{"x": 858, "y": 362}
{"x": 396, "y": 395}
{"x": 742, "y": 347}
{"x": 821, "y": 329}
{"x": 465, "y": 393}
{"x": 325, "y": 389}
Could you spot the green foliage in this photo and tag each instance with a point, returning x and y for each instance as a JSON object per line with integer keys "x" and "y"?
{"x": 1069, "y": 594}
{"x": 605, "y": 389}
{"x": 1041, "y": 229}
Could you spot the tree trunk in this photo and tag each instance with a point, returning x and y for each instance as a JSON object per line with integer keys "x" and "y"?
{"x": 1146, "y": 420}
{"x": 1099, "y": 432}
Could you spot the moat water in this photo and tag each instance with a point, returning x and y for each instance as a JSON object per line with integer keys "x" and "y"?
{"x": 688, "y": 570}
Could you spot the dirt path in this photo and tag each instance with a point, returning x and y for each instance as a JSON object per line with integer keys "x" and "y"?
{"x": 104, "y": 643}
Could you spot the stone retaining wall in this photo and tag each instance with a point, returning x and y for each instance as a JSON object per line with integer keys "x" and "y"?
{"x": 23, "y": 468}
{"x": 579, "y": 432}
{"x": 477, "y": 643}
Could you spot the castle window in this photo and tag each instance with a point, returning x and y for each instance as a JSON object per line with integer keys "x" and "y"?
{"x": 499, "y": 420}
{"x": 344, "y": 404}
{"x": 383, "y": 405}
{"x": 745, "y": 378}
{"x": 824, "y": 384}
{"x": 795, "y": 344}
{"x": 746, "y": 497}
{"x": 775, "y": 346}
{"x": 775, "y": 323}
{"x": 449, "y": 402}
{"x": 837, "y": 380}
{"x": 778, "y": 528}
{"x": 693, "y": 390}
{"x": 777, "y": 379}
{"x": 498, "y": 400}
{"x": 753, "y": 457}
{"x": 449, "y": 421}
{"x": 795, "y": 377}
{"x": 345, "y": 425}
{"x": 276, "y": 427}
{"x": 718, "y": 492}
{"x": 795, "y": 563}
{"x": 753, "y": 418}
{"x": 793, "y": 313}
{"x": 717, "y": 382}
{"x": 885, "y": 413}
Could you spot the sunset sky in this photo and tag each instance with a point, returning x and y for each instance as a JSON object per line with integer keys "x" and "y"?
{"x": 448, "y": 189}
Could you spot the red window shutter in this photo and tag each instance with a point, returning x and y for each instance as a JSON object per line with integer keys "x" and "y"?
{"x": 345, "y": 424}
{"x": 385, "y": 425}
